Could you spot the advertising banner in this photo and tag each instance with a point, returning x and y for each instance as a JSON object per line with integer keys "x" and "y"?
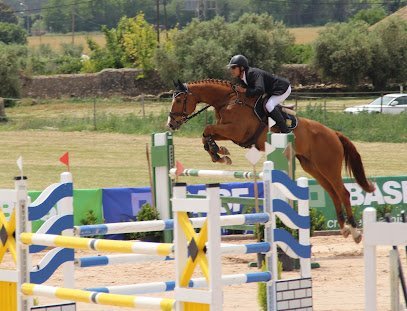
{"x": 390, "y": 196}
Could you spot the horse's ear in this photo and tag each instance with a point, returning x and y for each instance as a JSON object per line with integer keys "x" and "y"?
{"x": 175, "y": 84}
{"x": 182, "y": 86}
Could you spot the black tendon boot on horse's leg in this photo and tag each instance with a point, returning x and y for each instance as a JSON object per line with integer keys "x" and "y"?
{"x": 276, "y": 115}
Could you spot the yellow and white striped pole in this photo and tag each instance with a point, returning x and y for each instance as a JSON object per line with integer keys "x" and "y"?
{"x": 146, "y": 248}
{"x": 78, "y": 295}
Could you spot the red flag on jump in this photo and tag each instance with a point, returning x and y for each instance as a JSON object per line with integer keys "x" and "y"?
{"x": 179, "y": 168}
{"x": 65, "y": 159}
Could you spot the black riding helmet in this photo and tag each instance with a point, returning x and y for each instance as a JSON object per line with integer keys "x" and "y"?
{"x": 239, "y": 60}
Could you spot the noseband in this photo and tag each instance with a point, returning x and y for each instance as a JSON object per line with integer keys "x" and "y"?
{"x": 183, "y": 114}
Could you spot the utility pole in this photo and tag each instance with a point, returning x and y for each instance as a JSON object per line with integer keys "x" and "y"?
{"x": 165, "y": 19}
{"x": 201, "y": 7}
{"x": 73, "y": 22}
{"x": 158, "y": 21}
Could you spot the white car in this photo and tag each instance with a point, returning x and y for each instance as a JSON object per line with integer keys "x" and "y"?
{"x": 390, "y": 103}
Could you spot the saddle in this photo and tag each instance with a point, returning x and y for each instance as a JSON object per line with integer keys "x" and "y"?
{"x": 262, "y": 114}
{"x": 286, "y": 110}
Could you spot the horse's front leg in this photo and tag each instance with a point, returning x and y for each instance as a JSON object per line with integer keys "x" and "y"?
{"x": 218, "y": 132}
{"x": 214, "y": 150}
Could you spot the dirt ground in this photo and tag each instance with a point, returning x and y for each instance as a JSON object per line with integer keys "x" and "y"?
{"x": 337, "y": 285}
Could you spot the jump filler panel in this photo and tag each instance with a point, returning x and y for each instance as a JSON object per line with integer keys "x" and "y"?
{"x": 295, "y": 294}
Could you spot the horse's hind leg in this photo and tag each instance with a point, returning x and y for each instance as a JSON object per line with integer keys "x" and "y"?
{"x": 311, "y": 169}
{"x": 332, "y": 173}
{"x": 345, "y": 199}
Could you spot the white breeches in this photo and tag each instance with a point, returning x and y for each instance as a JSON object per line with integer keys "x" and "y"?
{"x": 274, "y": 100}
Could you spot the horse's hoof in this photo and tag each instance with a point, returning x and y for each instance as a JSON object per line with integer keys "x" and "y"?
{"x": 358, "y": 238}
{"x": 345, "y": 231}
{"x": 226, "y": 160}
{"x": 224, "y": 150}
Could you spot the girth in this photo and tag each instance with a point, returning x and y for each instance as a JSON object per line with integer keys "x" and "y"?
{"x": 253, "y": 139}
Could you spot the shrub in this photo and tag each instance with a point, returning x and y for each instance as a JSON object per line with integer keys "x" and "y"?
{"x": 70, "y": 59}
{"x": 11, "y": 61}
{"x": 91, "y": 218}
{"x": 370, "y": 16}
{"x": 12, "y": 34}
{"x": 317, "y": 220}
{"x": 300, "y": 54}
{"x": 147, "y": 212}
{"x": 41, "y": 60}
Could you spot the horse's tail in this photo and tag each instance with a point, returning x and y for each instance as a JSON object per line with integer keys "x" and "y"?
{"x": 353, "y": 163}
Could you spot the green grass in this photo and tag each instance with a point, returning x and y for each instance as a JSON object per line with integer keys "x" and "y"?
{"x": 115, "y": 116}
{"x": 363, "y": 126}
{"x": 114, "y": 155}
{"x": 119, "y": 160}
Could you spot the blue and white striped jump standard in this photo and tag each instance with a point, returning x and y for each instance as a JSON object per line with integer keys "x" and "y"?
{"x": 160, "y": 225}
{"x": 159, "y": 287}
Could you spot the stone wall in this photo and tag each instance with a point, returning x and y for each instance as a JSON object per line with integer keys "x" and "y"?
{"x": 124, "y": 82}
{"x": 299, "y": 74}
{"x": 108, "y": 82}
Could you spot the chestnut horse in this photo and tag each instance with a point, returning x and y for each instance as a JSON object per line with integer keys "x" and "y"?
{"x": 319, "y": 149}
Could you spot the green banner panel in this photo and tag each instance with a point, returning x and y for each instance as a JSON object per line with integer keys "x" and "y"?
{"x": 390, "y": 196}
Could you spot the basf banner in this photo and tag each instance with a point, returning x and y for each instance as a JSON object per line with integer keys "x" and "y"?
{"x": 390, "y": 194}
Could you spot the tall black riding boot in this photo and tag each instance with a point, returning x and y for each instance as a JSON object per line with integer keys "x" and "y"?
{"x": 276, "y": 115}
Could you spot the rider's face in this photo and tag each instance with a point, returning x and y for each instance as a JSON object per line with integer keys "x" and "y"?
{"x": 234, "y": 71}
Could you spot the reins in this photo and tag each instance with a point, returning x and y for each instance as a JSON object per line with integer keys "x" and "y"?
{"x": 196, "y": 113}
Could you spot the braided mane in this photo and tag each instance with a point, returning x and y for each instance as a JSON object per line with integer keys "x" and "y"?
{"x": 211, "y": 81}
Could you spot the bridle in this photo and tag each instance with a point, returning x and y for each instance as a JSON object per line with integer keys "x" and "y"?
{"x": 185, "y": 117}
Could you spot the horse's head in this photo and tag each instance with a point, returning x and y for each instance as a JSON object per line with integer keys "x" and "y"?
{"x": 183, "y": 104}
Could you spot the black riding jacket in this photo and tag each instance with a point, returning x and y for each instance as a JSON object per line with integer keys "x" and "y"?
{"x": 260, "y": 82}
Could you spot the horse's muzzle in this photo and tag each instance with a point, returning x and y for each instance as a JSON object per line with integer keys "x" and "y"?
{"x": 172, "y": 124}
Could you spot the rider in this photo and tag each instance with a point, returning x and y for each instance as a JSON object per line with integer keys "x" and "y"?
{"x": 259, "y": 82}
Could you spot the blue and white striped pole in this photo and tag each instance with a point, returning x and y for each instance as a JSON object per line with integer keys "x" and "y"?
{"x": 159, "y": 287}
{"x": 160, "y": 225}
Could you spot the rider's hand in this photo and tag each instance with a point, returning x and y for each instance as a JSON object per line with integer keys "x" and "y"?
{"x": 240, "y": 89}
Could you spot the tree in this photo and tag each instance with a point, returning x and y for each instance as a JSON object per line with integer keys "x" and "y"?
{"x": 58, "y": 16}
{"x": 202, "y": 49}
{"x": 10, "y": 64}
{"x": 342, "y": 52}
{"x": 138, "y": 40}
{"x": 350, "y": 52}
{"x": 389, "y": 53}
{"x": 370, "y": 16}
{"x": 7, "y": 15}
{"x": 131, "y": 44}
{"x": 11, "y": 33}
